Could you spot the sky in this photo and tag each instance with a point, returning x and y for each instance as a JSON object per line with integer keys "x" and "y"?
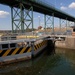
{"x": 67, "y": 6}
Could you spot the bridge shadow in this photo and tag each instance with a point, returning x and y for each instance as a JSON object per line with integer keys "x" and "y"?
{"x": 50, "y": 49}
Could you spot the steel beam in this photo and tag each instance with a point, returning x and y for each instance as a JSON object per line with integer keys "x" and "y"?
{"x": 45, "y": 23}
{"x": 53, "y": 23}
{"x": 66, "y": 24}
{"x": 12, "y": 18}
{"x": 22, "y": 17}
{"x": 60, "y": 25}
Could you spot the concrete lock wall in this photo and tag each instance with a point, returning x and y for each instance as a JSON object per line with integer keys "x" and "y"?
{"x": 70, "y": 42}
{"x": 60, "y": 44}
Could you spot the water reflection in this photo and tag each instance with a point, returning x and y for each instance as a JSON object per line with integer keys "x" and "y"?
{"x": 60, "y": 63}
{"x": 69, "y": 55}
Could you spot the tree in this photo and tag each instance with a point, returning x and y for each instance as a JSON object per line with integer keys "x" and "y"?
{"x": 39, "y": 27}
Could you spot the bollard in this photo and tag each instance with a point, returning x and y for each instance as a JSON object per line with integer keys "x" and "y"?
{"x": 32, "y": 49}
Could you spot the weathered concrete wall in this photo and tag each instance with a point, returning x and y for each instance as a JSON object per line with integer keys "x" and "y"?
{"x": 60, "y": 44}
{"x": 68, "y": 43}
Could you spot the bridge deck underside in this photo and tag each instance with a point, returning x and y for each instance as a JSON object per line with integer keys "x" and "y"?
{"x": 38, "y": 7}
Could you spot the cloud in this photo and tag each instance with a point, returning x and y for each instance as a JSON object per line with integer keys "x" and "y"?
{"x": 3, "y": 14}
{"x": 72, "y": 5}
{"x": 63, "y": 8}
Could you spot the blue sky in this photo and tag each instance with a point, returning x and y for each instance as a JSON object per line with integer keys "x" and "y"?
{"x": 67, "y": 6}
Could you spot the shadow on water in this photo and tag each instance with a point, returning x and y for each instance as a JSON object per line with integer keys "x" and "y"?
{"x": 35, "y": 66}
{"x": 69, "y": 55}
{"x": 59, "y": 62}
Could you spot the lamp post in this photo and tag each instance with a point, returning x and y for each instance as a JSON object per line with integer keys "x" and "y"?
{"x": 39, "y": 20}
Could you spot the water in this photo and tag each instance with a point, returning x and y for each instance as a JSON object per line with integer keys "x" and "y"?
{"x": 60, "y": 63}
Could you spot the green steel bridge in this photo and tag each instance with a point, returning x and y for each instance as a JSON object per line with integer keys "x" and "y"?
{"x": 14, "y": 47}
{"x": 22, "y": 12}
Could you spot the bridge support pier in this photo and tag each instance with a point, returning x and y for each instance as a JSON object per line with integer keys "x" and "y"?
{"x": 63, "y": 24}
{"x": 49, "y": 22}
{"x": 22, "y": 18}
{"x": 50, "y": 46}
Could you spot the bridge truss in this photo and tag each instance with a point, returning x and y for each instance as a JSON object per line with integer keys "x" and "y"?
{"x": 22, "y": 18}
{"x": 22, "y": 14}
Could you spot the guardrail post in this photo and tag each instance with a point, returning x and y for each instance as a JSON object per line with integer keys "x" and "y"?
{"x": 28, "y": 43}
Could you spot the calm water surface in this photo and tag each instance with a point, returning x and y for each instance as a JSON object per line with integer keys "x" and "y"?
{"x": 60, "y": 63}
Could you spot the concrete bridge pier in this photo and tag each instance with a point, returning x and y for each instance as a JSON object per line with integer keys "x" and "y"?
{"x": 50, "y": 46}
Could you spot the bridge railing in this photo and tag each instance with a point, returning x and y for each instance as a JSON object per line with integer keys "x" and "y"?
{"x": 31, "y": 35}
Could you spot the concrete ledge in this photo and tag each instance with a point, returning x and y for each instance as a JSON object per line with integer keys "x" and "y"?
{"x": 68, "y": 43}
